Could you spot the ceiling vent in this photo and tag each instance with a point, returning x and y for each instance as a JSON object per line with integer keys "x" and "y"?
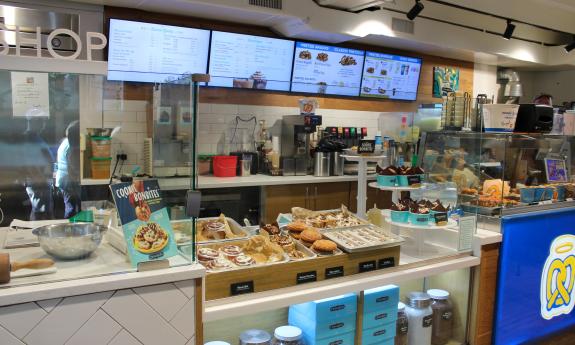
{"x": 402, "y": 25}
{"x": 275, "y": 4}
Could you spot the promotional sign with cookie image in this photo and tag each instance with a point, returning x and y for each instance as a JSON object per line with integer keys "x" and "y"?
{"x": 145, "y": 221}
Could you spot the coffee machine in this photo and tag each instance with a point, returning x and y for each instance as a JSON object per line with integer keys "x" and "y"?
{"x": 296, "y": 140}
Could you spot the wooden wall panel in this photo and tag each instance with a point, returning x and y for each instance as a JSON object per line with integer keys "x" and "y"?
{"x": 139, "y": 91}
{"x": 486, "y": 295}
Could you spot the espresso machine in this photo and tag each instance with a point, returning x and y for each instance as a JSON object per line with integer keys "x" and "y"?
{"x": 296, "y": 140}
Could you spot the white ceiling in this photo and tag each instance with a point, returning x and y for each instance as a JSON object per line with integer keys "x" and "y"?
{"x": 304, "y": 19}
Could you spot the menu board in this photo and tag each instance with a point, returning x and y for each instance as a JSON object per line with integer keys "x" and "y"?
{"x": 390, "y": 76}
{"x": 327, "y": 69}
{"x": 145, "y": 221}
{"x": 155, "y": 53}
{"x": 250, "y": 62}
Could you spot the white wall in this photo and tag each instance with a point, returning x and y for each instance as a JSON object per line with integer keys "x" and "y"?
{"x": 485, "y": 80}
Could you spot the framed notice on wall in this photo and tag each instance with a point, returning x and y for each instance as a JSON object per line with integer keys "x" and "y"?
{"x": 445, "y": 79}
{"x": 30, "y": 94}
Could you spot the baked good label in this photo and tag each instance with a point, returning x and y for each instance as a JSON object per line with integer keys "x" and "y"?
{"x": 334, "y": 272}
{"x": 306, "y": 277}
{"x": 242, "y": 288}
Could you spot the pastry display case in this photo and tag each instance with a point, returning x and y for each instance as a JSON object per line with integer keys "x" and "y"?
{"x": 498, "y": 174}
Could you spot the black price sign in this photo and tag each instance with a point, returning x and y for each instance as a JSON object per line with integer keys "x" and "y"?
{"x": 306, "y": 277}
{"x": 366, "y": 146}
{"x": 386, "y": 263}
{"x": 333, "y": 272}
{"x": 379, "y": 333}
{"x": 367, "y": 266}
{"x": 440, "y": 218}
{"x": 242, "y": 288}
{"x": 413, "y": 180}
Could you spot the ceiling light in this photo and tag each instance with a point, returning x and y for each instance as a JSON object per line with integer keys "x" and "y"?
{"x": 415, "y": 10}
{"x": 509, "y": 30}
{"x": 570, "y": 46}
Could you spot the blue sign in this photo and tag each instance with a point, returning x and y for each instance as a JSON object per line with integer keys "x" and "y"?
{"x": 536, "y": 278}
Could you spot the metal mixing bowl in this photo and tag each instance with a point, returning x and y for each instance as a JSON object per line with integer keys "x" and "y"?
{"x": 70, "y": 241}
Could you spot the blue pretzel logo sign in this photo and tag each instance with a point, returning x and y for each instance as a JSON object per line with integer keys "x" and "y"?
{"x": 558, "y": 278}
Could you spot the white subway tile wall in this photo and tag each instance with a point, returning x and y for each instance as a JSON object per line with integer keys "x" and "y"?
{"x": 216, "y": 123}
{"x": 130, "y": 116}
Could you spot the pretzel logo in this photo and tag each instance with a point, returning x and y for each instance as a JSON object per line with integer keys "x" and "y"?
{"x": 558, "y": 278}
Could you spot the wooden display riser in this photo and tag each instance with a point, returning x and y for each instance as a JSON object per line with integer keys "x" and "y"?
{"x": 263, "y": 278}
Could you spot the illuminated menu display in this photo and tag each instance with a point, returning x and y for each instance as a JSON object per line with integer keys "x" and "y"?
{"x": 146, "y": 52}
{"x": 327, "y": 69}
{"x": 250, "y": 62}
{"x": 390, "y": 76}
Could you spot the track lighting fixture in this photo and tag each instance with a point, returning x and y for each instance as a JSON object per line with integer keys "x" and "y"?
{"x": 509, "y": 30}
{"x": 570, "y": 46}
{"x": 415, "y": 10}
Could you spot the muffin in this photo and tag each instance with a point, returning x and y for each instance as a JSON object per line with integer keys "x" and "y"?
{"x": 399, "y": 213}
{"x": 419, "y": 216}
{"x": 387, "y": 177}
{"x": 271, "y": 229}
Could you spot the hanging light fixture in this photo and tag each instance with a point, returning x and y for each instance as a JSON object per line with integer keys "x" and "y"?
{"x": 570, "y": 46}
{"x": 415, "y": 10}
{"x": 509, "y": 30}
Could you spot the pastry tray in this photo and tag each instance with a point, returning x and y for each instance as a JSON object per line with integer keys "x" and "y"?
{"x": 236, "y": 228}
{"x": 395, "y": 240}
{"x": 309, "y": 254}
{"x": 485, "y": 211}
{"x": 240, "y": 243}
{"x": 337, "y": 210}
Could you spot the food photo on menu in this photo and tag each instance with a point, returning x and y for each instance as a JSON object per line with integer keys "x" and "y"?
{"x": 390, "y": 76}
{"x": 325, "y": 69}
{"x": 250, "y": 62}
{"x": 145, "y": 221}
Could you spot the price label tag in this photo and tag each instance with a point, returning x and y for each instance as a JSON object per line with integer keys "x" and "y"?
{"x": 306, "y": 277}
{"x": 386, "y": 263}
{"x": 367, "y": 266}
{"x": 334, "y": 272}
{"x": 413, "y": 180}
{"x": 366, "y": 146}
{"x": 242, "y": 288}
{"x": 440, "y": 218}
{"x": 467, "y": 229}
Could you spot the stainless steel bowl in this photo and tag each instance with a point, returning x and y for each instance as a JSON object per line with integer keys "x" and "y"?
{"x": 70, "y": 241}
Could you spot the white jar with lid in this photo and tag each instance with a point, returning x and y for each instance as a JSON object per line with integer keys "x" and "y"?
{"x": 420, "y": 317}
{"x": 287, "y": 335}
{"x": 442, "y": 316}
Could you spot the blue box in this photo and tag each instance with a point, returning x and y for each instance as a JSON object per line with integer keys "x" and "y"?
{"x": 400, "y": 216}
{"x": 327, "y": 309}
{"x": 387, "y": 341}
{"x": 386, "y": 180}
{"x": 323, "y": 329}
{"x": 379, "y": 318}
{"x": 342, "y": 339}
{"x": 381, "y": 298}
{"x": 379, "y": 335}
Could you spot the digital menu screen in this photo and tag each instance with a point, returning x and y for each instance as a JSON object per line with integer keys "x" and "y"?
{"x": 145, "y": 52}
{"x": 327, "y": 69}
{"x": 390, "y": 76}
{"x": 250, "y": 62}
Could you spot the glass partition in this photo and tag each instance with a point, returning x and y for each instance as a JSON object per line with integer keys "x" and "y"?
{"x": 61, "y": 131}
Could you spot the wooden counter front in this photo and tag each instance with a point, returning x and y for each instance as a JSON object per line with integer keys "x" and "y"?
{"x": 276, "y": 276}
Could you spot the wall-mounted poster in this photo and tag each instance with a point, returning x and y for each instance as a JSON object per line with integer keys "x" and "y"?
{"x": 30, "y": 94}
{"x": 445, "y": 80}
{"x": 185, "y": 114}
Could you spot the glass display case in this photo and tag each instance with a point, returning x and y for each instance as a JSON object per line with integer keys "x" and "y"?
{"x": 498, "y": 174}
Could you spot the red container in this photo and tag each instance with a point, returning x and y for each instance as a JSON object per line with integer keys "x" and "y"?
{"x": 225, "y": 166}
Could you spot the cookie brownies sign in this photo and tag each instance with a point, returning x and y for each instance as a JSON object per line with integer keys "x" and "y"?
{"x": 93, "y": 41}
{"x": 145, "y": 221}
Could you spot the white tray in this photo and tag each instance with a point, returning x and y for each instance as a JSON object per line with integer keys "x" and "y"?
{"x": 450, "y": 222}
{"x": 394, "y": 189}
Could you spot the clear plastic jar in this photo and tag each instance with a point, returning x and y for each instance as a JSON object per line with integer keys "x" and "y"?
{"x": 255, "y": 337}
{"x": 402, "y": 325}
{"x": 442, "y": 316}
{"x": 420, "y": 317}
{"x": 287, "y": 335}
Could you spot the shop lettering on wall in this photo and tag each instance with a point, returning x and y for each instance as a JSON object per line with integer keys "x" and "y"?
{"x": 93, "y": 41}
